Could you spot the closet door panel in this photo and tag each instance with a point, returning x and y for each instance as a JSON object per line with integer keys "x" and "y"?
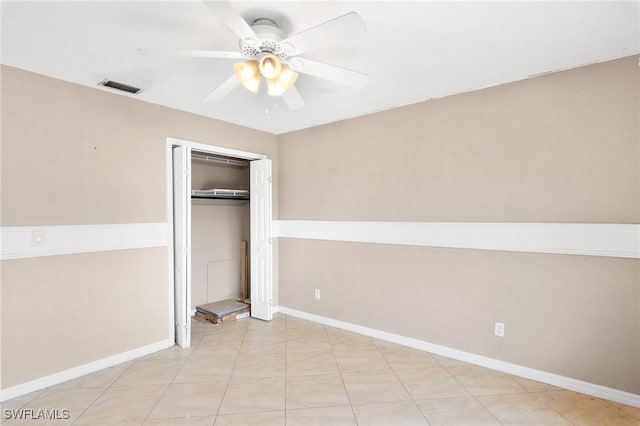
{"x": 261, "y": 256}
{"x": 182, "y": 243}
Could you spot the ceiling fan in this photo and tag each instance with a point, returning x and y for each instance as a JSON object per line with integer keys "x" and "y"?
{"x": 269, "y": 53}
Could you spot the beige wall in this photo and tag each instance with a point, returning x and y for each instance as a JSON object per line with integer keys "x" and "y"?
{"x": 216, "y": 233}
{"x": 558, "y": 148}
{"x": 75, "y": 155}
{"x": 575, "y": 316}
{"x": 209, "y": 175}
{"x": 60, "y": 312}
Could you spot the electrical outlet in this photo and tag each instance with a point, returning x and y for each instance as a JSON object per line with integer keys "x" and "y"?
{"x": 317, "y": 294}
{"x": 499, "y": 329}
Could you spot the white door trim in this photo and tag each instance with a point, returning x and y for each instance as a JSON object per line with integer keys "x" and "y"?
{"x": 211, "y": 149}
{"x": 182, "y": 244}
{"x": 217, "y": 150}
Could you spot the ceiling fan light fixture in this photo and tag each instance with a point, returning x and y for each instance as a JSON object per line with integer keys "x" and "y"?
{"x": 277, "y": 86}
{"x": 269, "y": 65}
{"x": 274, "y": 88}
{"x": 248, "y": 74}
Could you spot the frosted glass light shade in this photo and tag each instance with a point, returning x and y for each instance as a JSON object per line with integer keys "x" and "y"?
{"x": 270, "y": 66}
{"x": 277, "y": 86}
{"x": 248, "y": 73}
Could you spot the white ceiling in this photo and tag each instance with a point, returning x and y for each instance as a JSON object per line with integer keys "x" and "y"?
{"x": 413, "y": 51}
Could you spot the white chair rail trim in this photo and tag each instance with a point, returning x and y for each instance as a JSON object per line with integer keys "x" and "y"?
{"x": 590, "y": 239}
{"x": 34, "y": 241}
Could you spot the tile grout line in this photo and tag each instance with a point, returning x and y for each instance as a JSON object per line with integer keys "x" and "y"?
{"x": 469, "y": 392}
{"x": 286, "y": 357}
{"x": 535, "y": 395}
{"x": 395, "y": 373}
{"x": 475, "y": 397}
{"x": 353, "y": 411}
{"x": 189, "y": 357}
{"x": 185, "y": 361}
{"x": 103, "y": 392}
{"x": 286, "y": 344}
{"x": 37, "y": 395}
{"x": 226, "y": 388}
{"x": 167, "y": 386}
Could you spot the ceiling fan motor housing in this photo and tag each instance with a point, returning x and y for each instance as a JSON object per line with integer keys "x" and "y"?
{"x": 269, "y": 37}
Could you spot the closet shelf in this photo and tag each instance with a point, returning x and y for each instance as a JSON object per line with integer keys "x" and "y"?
{"x": 220, "y": 194}
{"x": 219, "y": 201}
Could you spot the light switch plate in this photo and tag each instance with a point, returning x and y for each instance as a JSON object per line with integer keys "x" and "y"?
{"x": 38, "y": 238}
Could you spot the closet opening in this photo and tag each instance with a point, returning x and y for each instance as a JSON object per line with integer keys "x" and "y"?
{"x": 221, "y": 227}
{"x": 219, "y": 237}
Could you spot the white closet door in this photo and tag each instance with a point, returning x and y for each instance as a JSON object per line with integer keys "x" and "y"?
{"x": 182, "y": 244}
{"x": 261, "y": 267}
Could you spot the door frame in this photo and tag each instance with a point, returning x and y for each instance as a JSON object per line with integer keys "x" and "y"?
{"x": 210, "y": 149}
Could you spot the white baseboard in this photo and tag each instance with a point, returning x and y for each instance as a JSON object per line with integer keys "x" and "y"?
{"x": 494, "y": 364}
{"x": 81, "y": 370}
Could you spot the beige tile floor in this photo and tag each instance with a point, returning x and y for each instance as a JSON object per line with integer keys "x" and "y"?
{"x": 294, "y": 372}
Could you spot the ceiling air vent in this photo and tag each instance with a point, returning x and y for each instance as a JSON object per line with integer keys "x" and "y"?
{"x": 119, "y": 86}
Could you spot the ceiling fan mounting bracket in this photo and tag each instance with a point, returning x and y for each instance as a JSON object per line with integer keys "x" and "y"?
{"x": 264, "y": 21}
{"x": 269, "y": 37}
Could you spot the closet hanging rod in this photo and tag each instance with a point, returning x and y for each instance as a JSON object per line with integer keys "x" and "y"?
{"x": 228, "y": 161}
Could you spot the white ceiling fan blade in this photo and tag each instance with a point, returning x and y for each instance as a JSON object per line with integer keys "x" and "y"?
{"x": 230, "y": 17}
{"x": 292, "y": 98}
{"x": 330, "y": 72}
{"x": 186, "y": 53}
{"x": 333, "y": 32}
{"x": 223, "y": 90}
